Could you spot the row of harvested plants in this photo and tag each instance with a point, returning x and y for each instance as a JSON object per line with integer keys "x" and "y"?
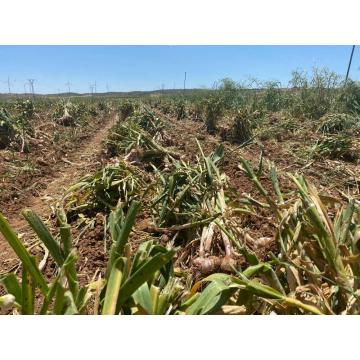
{"x": 180, "y": 243}
{"x": 17, "y": 119}
{"x": 36, "y": 136}
{"x": 319, "y": 107}
{"x": 15, "y": 129}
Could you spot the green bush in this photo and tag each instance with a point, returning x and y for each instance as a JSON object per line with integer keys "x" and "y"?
{"x": 273, "y": 96}
{"x": 313, "y": 96}
{"x": 126, "y": 109}
{"x": 349, "y": 99}
{"x": 180, "y": 110}
{"x": 241, "y": 127}
{"x": 213, "y": 111}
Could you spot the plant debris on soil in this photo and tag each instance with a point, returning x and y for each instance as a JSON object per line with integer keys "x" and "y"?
{"x": 182, "y": 206}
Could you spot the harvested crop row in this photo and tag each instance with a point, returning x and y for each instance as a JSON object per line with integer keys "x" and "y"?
{"x": 314, "y": 270}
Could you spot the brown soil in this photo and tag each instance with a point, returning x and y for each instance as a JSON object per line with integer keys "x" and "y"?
{"x": 187, "y": 131}
{"x": 88, "y": 156}
{"x": 85, "y": 156}
{"x": 326, "y": 175}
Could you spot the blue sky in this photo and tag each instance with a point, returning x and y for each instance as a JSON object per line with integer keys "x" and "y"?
{"x": 126, "y": 68}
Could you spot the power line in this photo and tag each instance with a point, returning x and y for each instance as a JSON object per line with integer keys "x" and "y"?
{"x": 8, "y": 82}
{"x": 92, "y": 88}
{"x": 68, "y": 86}
{"x": 31, "y": 84}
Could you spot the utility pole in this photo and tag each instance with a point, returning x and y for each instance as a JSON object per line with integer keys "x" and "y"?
{"x": 348, "y": 69}
{"x": 8, "y": 82}
{"x": 91, "y": 87}
{"x": 68, "y": 86}
{"x": 107, "y": 88}
{"x": 31, "y": 84}
{"x": 185, "y": 82}
{"x": 95, "y": 86}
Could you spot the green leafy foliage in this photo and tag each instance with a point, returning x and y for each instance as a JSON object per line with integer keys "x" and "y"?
{"x": 335, "y": 147}
{"x": 114, "y": 185}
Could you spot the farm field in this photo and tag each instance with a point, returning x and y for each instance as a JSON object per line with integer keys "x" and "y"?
{"x": 225, "y": 201}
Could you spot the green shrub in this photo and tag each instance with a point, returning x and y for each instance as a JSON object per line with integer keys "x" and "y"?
{"x": 180, "y": 110}
{"x": 315, "y": 96}
{"x": 349, "y": 99}
{"x": 241, "y": 127}
{"x": 273, "y": 96}
{"x": 126, "y": 109}
{"x": 213, "y": 111}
